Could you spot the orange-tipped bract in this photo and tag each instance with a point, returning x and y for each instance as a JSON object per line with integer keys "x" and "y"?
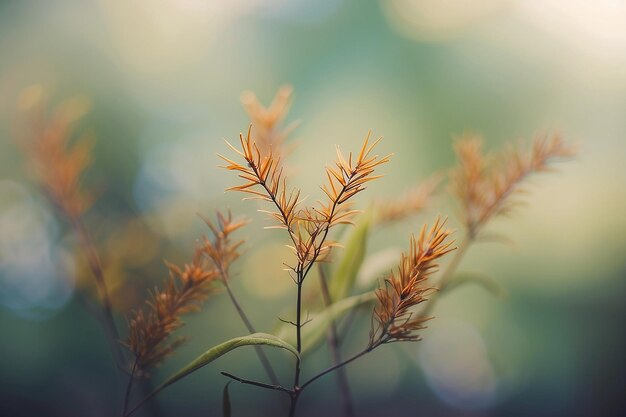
{"x": 395, "y": 321}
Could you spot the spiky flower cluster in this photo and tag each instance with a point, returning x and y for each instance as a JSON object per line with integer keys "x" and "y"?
{"x": 394, "y": 318}
{"x": 269, "y": 134}
{"x": 57, "y": 161}
{"x": 148, "y": 331}
{"x": 182, "y": 293}
{"x": 486, "y": 184}
{"x": 307, "y": 226}
{"x": 221, "y": 251}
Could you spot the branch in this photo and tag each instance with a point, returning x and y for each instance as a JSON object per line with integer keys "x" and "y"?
{"x": 258, "y": 384}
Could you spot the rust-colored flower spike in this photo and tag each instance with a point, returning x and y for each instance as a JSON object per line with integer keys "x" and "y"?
{"x": 308, "y": 227}
{"x": 270, "y": 136}
{"x": 182, "y": 293}
{"x": 348, "y": 178}
{"x": 266, "y": 171}
{"x": 394, "y": 319}
{"x": 221, "y": 251}
{"x": 486, "y": 184}
{"x": 55, "y": 159}
{"x": 410, "y": 203}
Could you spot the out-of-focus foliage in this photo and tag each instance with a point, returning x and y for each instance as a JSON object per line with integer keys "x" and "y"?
{"x": 163, "y": 80}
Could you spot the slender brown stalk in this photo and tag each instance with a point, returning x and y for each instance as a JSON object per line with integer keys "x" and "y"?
{"x": 370, "y": 347}
{"x": 222, "y": 252}
{"x": 269, "y": 370}
{"x": 296, "y": 379}
{"x": 258, "y": 384}
{"x": 108, "y": 321}
{"x": 129, "y": 387}
{"x": 333, "y": 343}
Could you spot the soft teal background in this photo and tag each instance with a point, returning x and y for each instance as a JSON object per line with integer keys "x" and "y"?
{"x": 164, "y": 78}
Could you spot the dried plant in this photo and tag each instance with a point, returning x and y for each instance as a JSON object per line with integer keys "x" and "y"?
{"x": 58, "y": 163}
{"x": 181, "y": 293}
{"x": 307, "y": 227}
{"x": 270, "y": 136}
{"x": 56, "y": 160}
{"x": 402, "y": 291}
{"x": 221, "y": 251}
{"x": 486, "y": 186}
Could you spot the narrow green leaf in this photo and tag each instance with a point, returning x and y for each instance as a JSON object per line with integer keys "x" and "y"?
{"x": 376, "y": 267}
{"x": 344, "y": 274}
{"x": 223, "y": 348}
{"x": 226, "y": 401}
{"x": 315, "y": 330}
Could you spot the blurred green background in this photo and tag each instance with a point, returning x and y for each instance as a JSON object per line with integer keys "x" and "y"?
{"x": 164, "y": 79}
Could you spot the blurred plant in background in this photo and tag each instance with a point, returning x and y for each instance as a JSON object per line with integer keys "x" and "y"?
{"x": 162, "y": 80}
{"x": 485, "y": 189}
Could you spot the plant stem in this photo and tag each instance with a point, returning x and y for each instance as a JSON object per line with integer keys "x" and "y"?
{"x": 444, "y": 281}
{"x": 333, "y": 343}
{"x": 153, "y": 408}
{"x": 129, "y": 387}
{"x": 258, "y": 384}
{"x": 259, "y": 351}
{"x": 107, "y": 322}
{"x": 302, "y": 273}
{"x": 295, "y": 394}
{"x": 298, "y": 332}
{"x": 292, "y": 405}
{"x": 296, "y": 380}
{"x": 368, "y": 349}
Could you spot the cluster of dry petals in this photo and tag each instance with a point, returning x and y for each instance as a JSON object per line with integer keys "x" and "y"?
{"x": 486, "y": 184}
{"x": 394, "y": 318}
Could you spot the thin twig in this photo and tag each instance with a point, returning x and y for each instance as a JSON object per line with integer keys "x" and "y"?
{"x": 258, "y": 384}
{"x": 368, "y": 349}
{"x": 259, "y": 351}
{"x": 302, "y": 274}
{"x": 108, "y": 322}
{"x": 129, "y": 387}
